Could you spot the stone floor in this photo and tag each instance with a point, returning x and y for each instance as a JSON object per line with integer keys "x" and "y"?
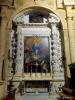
{"x": 37, "y": 96}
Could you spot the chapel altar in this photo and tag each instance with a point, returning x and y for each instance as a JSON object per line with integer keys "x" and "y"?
{"x": 38, "y": 51}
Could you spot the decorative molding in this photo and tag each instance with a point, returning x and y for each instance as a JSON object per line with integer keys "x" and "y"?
{"x": 32, "y": 24}
{"x": 35, "y": 24}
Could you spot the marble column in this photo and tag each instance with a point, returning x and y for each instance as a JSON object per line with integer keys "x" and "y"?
{"x": 57, "y": 52}
{"x": 20, "y": 50}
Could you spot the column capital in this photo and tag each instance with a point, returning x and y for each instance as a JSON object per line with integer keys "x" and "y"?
{"x": 69, "y": 18}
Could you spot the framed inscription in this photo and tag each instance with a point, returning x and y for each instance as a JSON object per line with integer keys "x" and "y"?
{"x": 69, "y": 2}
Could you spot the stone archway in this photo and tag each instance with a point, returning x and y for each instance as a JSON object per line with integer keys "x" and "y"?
{"x": 53, "y": 30}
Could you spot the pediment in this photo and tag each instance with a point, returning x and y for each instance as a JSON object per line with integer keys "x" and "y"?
{"x": 22, "y": 18}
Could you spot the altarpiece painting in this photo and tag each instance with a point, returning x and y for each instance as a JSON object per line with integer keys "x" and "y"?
{"x": 36, "y": 54}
